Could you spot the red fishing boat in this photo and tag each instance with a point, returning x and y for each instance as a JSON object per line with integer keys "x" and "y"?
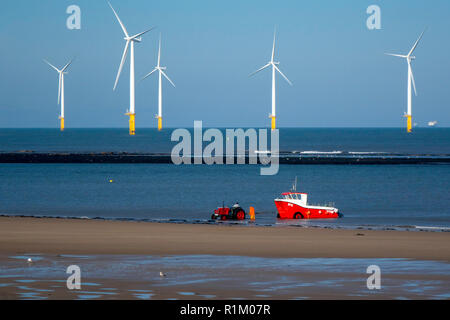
{"x": 294, "y": 205}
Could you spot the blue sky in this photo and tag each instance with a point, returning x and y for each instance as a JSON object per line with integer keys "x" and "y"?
{"x": 341, "y": 77}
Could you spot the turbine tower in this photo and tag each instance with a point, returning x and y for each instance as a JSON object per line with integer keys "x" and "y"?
{"x": 130, "y": 40}
{"x": 409, "y": 59}
{"x": 274, "y": 68}
{"x": 61, "y": 73}
{"x": 160, "y": 74}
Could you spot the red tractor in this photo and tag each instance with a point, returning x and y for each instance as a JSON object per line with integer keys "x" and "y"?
{"x": 233, "y": 213}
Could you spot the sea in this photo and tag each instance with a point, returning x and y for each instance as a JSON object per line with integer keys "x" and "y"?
{"x": 401, "y": 196}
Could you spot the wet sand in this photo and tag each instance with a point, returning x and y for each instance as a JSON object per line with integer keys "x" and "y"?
{"x": 227, "y": 289}
{"x": 83, "y": 236}
{"x": 219, "y": 277}
{"x": 122, "y": 260}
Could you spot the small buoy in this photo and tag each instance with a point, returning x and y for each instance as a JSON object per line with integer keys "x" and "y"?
{"x": 29, "y": 260}
{"x": 110, "y": 180}
{"x": 161, "y": 274}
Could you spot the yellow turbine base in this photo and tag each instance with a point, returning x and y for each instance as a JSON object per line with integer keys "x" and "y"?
{"x": 159, "y": 123}
{"x": 62, "y": 124}
{"x": 273, "y": 123}
{"x": 408, "y": 123}
{"x": 132, "y": 124}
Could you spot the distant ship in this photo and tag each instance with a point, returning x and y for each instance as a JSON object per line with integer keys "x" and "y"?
{"x": 432, "y": 123}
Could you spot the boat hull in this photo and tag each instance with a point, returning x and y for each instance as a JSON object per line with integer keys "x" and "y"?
{"x": 289, "y": 210}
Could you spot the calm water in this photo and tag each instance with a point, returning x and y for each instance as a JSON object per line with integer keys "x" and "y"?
{"x": 395, "y": 140}
{"x": 378, "y": 195}
{"x": 367, "y": 195}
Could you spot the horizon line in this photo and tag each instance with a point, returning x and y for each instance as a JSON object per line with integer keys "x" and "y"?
{"x": 223, "y": 127}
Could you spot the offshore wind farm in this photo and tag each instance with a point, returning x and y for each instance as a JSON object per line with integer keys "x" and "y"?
{"x": 171, "y": 205}
{"x": 137, "y": 38}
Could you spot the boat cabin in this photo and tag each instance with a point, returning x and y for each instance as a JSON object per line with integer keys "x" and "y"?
{"x": 302, "y": 197}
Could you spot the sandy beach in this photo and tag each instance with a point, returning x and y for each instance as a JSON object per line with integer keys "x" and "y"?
{"x": 122, "y": 260}
{"x": 83, "y": 236}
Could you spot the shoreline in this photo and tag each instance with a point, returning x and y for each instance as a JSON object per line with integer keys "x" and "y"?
{"x": 245, "y": 223}
{"x": 89, "y": 236}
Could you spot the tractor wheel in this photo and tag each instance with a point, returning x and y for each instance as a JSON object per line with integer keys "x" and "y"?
{"x": 240, "y": 215}
{"x": 298, "y": 215}
{"x": 213, "y": 216}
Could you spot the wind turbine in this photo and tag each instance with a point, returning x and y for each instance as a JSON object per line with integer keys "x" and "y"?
{"x": 160, "y": 74}
{"x": 409, "y": 59}
{"x": 61, "y": 73}
{"x": 130, "y": 40}
{"x": 274, "y": 68}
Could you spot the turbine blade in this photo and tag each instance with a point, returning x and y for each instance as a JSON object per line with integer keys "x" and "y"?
{"x": 118, "y": 19}
{"x": 159, "y": 50}
{"x": 260, "y": 69}
{"x": 285, "y": 78}
{"x": 165, "y": 75}
{"x": 273, "y": 47}
{"x": 148, "y": 74}
{"x": 67, "y": 65}
{"x": 396, "y": 55}
{"x": 412, "y": 78}
{"x": 416, "y": 43}
{"x": 141, "y": 33}
{"x": 51, "y": 65}
{"x": 124, "y": 55}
